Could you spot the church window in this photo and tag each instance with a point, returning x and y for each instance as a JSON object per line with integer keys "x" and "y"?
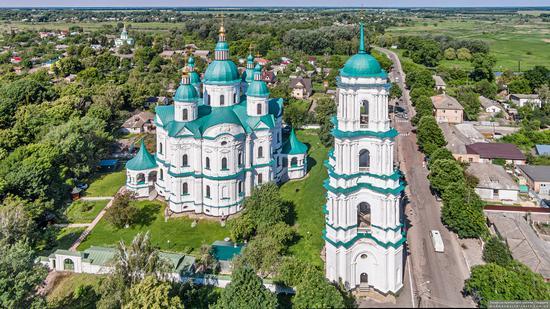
{"x": 240, "y": 187}
{"x": 224, "y": 164}
{"x": 259, "y": 108}
{"x": 225, "y": 192}
{"x": 294, "y": 162}
{"x": 224, "y": 143}
{"x": 140, "y": 178}
{"x": 160, "y": 148}
{"x": 207, "y": 191}
{"x": 260, "y": 152}
{"x": 222, "y": 100}
{"x": 184, "y": 161}
{"x": 363, "y": 215}
{"x": 235, "y": 98}
{"x": 364, "y": 112}
{"x": 260, "y": 179}
{"x": 185, "y": 189}
{"x": 161, "y": 176}
{"x": 364, "y": 159}
{"x": 240, "y": 158}
{"x": 207, "y": 163}
{"x": 185, "y": 114}
{"x": 207, "y": 99}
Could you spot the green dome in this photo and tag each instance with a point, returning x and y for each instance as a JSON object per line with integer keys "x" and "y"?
{"x": 362, "y": 65}
{"x": 257, "y": 88}
{"x": 191, "y": 61}
{"x": 221, "y": 72}
{"x": 248, "y": 75}
{"x": 186, "y": 93}
{"x": 293, "y": 146}
{"x": 250, "y": 58}
{"x": 194, "y": 78}
{"x": 142, "y": 161}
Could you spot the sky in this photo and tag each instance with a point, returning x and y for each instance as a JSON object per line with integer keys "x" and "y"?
{"x": 256, "y": 3}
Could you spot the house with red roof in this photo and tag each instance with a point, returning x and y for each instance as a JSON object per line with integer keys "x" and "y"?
{"x": 488, "y": 152}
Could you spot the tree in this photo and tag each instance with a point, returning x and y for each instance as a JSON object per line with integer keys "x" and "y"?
{"x": 519, "y": 84}
{"x": 440, "y": 154}
{"x": 423, "y": 107}
{"x": 324, "y": 111}
{"x": 316, "y": 292}
{"x": 206, "y": 259}
{"x": 449, "y": 53}
{"x": 494, "y": 282}
{"x": 246, "y": 290}
{"x": 15, "y": 222}
{"x": 538, "y": 76}
{"x": 122, "y": 212}
{"x": 444, "y": 173}
{"x": 496, "y": 251}
{"x": 428, "y": 53}
{"x": 483, "y": 67}
{"x": 470, "y": 101}
{"x": 544, "y": 95}
{"x": 68, "y": 65}
{"x": 295, "y": 114}
{"x": 462, "y": 211}
{"x": 463, "y": 54}
{"x": 486, "y": 88}
{"x": 395, "y": 91}
{"x": 430, "y": 137}
{"x": 151, "y": 293}
{"x": 20, "y": 275}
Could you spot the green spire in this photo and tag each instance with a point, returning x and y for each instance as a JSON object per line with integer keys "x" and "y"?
{"x": 142, "y": 161}
{"x": 361, "y": 39}
{"x": 293, "y": 146}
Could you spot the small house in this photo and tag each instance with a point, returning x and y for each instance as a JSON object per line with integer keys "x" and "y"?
{"x": 537, "y": 177}
{"x": 542, "y": 150}
{"x": 301, "y": 87}
{"x": 139, "y": 123}
{"x": 494, "y": 183}
{"x": 490, "y": 106}
{"x": 522, "y": 99}
{"x": 440, "y": 84}
{"x": 447, "y": 109}
{"x": 488, "y": 152}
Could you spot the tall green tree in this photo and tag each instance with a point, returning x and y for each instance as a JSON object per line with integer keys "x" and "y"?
{"x": 246, "y": 290}
{"x": 429, "y": 135}
{"x": 483, "y": 67}
{"x": 444, "y": 173}
{"x": 152, "y": 293}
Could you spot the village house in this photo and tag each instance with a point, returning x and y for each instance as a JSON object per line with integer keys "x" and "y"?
{"x": 447, "y": 109}
{"x": 440, "y": 84}
{"x": 537, "y": 178}
{"x": 269, "y": 77}
{"x": 494, "y": 183}
{"x": 522, "y": 99}
{"x": 301, "y": 87}
{"x": 488, "y": 152}
{"x": 490, "y": 106}
{"x": 139, "y": 123}
{"x": 201, "y": 53}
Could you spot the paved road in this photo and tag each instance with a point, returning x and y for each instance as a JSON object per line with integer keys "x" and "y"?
{"x": 438, "y": 277}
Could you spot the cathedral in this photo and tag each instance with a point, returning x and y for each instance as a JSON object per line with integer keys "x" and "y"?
{"x": 221, "y": 138}
{"x": 364, "y": 235}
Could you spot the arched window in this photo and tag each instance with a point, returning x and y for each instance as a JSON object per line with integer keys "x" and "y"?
{"x": 207, "y": 99}
{"x": 259, "y": 108}
{"x": 161, "y": 176}
{"x": 260, "y": 152}
{"x": 207, "y": 163}
{"x": 222, "y": 100}
{"x": 224, "y": 164}
{"x": 294, "y": 162}
{"x": 160, "y": 148}
{"x": 240, "y": 158}
{"x": 240, "y": 187}
{"x": 68, "y": 264}
{"x": 260, "y": 178}
{"x": 363, "y": 215}
{"x": 364, "y": 159}
{"x": 185, "y": 114}
{"x": 185, "y": 188}
{"x": 184, "y": 160}
{"x": 207, "y": 191}
{"x": 225, "y": 192}
{"x": 364, "y": 112}
{"x": 140, "y": 178}
{"x": 235, "y": 98}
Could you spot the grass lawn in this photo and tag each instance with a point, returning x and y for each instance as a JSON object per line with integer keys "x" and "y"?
{"x": 106, "y": 184}
{"x": 65, "y": 238}
{"x": 65, "y": 284}
{"x": 309, "y": 197}
{"x": 174, "y": 235}
{"x": 84, "y": 211}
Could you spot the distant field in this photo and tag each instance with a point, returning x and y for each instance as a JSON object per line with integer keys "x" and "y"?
{"x": 510, "y": 43}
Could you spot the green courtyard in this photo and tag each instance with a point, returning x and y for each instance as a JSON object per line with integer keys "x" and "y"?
{"x": 176, "y": 234}
{"x": 106, "y": 184}
{"x": 84, "y": 211}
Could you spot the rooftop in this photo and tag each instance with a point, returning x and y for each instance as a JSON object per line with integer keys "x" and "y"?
{"x": 492, "y": 176}
{"x": 524, "y": 96}
{"x": 438, "y": 80}
{"x": 543, "y": 150}
{"x": 495, "y": 151}
{"x": 444, "y": 101}
{"x": 536, "y": 172}
{"x": 138, "y": 120}
{"x": 486, "y": 102}
{"x": 142, "y": 161}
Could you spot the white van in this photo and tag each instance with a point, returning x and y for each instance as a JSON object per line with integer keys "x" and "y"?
{"x": 437, "y": 241}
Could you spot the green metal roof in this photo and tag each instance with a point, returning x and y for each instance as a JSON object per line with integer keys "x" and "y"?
{"x": 99, "y": 255}
{"x": 221, "y": 72}
{"x": 222, "y": 45}
{"x": 142, "y": 161}
{"x": 362, "y": 64}
{"x": 293, "y": 146}
{"x": 209, "y": 116}
{"x": 257, "y": 88}
{"x": 186, "y": 93}
{"x": 194, "y": 78}
{"x": 226, "y": 250}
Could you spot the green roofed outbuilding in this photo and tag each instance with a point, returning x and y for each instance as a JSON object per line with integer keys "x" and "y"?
{"x": 294, "y": 157}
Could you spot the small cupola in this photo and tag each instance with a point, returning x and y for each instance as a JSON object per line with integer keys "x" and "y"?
{"x": 185, "y": 99}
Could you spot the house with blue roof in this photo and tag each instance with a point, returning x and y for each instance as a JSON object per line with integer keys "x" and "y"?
{"x": 542, "y": 150}
{"x": 220, "y": 139}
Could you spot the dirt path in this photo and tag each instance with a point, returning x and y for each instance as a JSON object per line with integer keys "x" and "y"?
{"x": 91, "y": 226}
